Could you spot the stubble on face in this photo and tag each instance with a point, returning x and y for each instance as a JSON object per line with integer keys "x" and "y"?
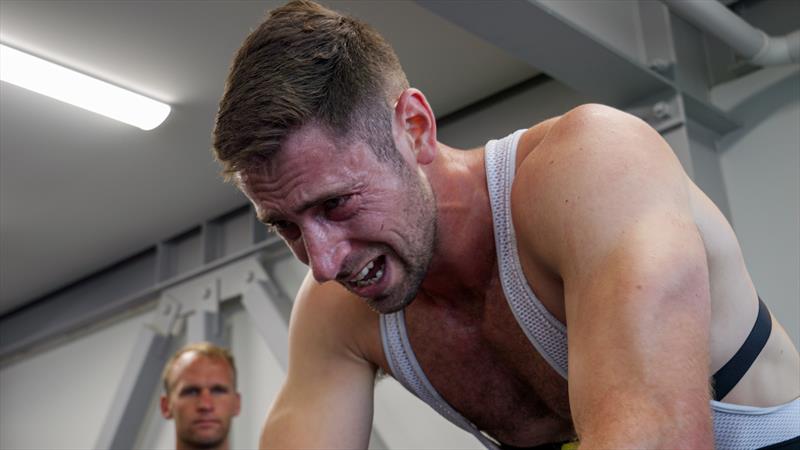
{"x": 412, "y": 247}
{"x": 421, "y": 240}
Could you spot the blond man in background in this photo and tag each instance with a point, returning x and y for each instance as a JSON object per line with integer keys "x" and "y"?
{"x": 200, "y": 395}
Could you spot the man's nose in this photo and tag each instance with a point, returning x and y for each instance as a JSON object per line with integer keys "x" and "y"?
{"x": 206, "y": 401}
{"x": 326, "y": 249}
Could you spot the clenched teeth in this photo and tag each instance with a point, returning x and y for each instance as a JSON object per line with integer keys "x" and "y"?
{"x": 364, "y": 272}
{"x": 371, "y": 281}
{"x": 360, "y": 281}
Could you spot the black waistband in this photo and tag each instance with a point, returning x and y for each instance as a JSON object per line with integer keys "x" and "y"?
{"x": 550, "y": 446}
{"x": 727, "y": 376}
{"x": 791, "y": 444}
{"x": 733, "y": 371}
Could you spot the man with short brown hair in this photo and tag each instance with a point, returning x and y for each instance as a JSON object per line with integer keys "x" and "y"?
{"x": 200, "y": 395}
{"x": 566, "y": 281}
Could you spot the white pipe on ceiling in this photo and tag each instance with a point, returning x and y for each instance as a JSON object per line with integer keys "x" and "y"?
{"x": 750, "y": 42}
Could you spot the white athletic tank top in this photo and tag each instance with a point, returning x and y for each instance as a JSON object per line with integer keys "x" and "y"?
{"x": 735, "y": 427}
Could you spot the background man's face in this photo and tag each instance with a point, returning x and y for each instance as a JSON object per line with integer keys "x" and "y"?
{"x": 202, "y": 400}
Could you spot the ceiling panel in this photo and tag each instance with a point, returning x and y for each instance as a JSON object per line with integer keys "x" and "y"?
{"x": 79, "y": 192}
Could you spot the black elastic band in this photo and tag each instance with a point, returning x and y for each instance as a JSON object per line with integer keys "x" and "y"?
{"x": 550, "y": 446}
{"x": 791, "y": 444}
{"x": 733, "y": 371}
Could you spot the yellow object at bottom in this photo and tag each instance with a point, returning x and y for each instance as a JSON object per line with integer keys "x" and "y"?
{"x": 570, "y": 445}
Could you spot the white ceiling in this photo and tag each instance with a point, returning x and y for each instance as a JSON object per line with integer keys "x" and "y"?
{"x": 79, "y": 192}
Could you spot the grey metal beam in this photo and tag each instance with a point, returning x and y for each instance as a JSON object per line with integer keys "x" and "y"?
{"x": 204, "y": 322}
{"x": 191, "y": 307}
{"x": 752, "y": 105}
{"x": 541, "y": 36}
{"x": 213, "y": 241}
{"x": 663, "y": 79}
{"x": 750, "y": 42}
{"x": 204, "y": 326}
{"x": 82, "y": 305}
{"x": 139, "y": 379}
{"x": 663, "y": 110}
{"x": 79, "y": 305}
{"x": 546, "y": 41}
{"x": 270, "y": 311}
{"x": 659, "y": 53}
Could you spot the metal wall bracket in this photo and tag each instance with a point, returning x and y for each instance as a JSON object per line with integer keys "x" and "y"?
{"x": 662, "y": 111}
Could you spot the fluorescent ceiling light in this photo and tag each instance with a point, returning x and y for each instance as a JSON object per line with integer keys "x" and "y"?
{"x": 80, "y": 90}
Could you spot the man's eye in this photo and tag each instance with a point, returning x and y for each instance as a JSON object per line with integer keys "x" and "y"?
{"x": 340, "y": 208}
{"x": 286, "y": 229}
{"x": 335, "y": 202}
{"x": 279, "y": 225}
{"x": 190, "y": 392}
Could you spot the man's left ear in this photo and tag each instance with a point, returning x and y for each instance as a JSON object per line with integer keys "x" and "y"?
{"x": 238, "y": 403}
{"x": 414, "y": 122}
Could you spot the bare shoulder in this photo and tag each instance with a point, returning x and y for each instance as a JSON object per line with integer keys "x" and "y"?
{"x": 594, "y": 165}
{"x": 591, "y": 127}
{"x": 329, "y": 320}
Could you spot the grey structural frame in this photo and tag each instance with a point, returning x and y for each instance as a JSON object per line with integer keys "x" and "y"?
{"x": 193, "y": 308}
{"x": 229, "y": 257}
{"x": 667, "y": 82}
{"x": 191, "y": 278}
{"x": 750, "y": 42}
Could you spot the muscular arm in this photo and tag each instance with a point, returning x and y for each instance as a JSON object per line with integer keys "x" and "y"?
{"x": 326, "y": 400}
{"x": 620, "y": 234}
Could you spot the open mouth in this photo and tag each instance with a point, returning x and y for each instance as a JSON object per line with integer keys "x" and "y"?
{"x": 369, "y": 274}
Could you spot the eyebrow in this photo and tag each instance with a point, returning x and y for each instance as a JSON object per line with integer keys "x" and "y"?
{"x": 200, "y": 386}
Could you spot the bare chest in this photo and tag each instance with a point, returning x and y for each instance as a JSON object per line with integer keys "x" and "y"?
{"x": 482, "y": 364}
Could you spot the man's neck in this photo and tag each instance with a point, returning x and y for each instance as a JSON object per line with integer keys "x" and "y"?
{"x": 464, "y": 259}
{"x": 180, "y": 445}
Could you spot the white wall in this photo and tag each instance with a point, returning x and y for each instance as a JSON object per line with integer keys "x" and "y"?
{"x": 761, "y": 168}
{"x": 58, "y": 398}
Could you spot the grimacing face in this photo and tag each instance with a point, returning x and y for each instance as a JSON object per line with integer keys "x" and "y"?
{"x": 202, "y": 400}
{"x": 364, "y": 223}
